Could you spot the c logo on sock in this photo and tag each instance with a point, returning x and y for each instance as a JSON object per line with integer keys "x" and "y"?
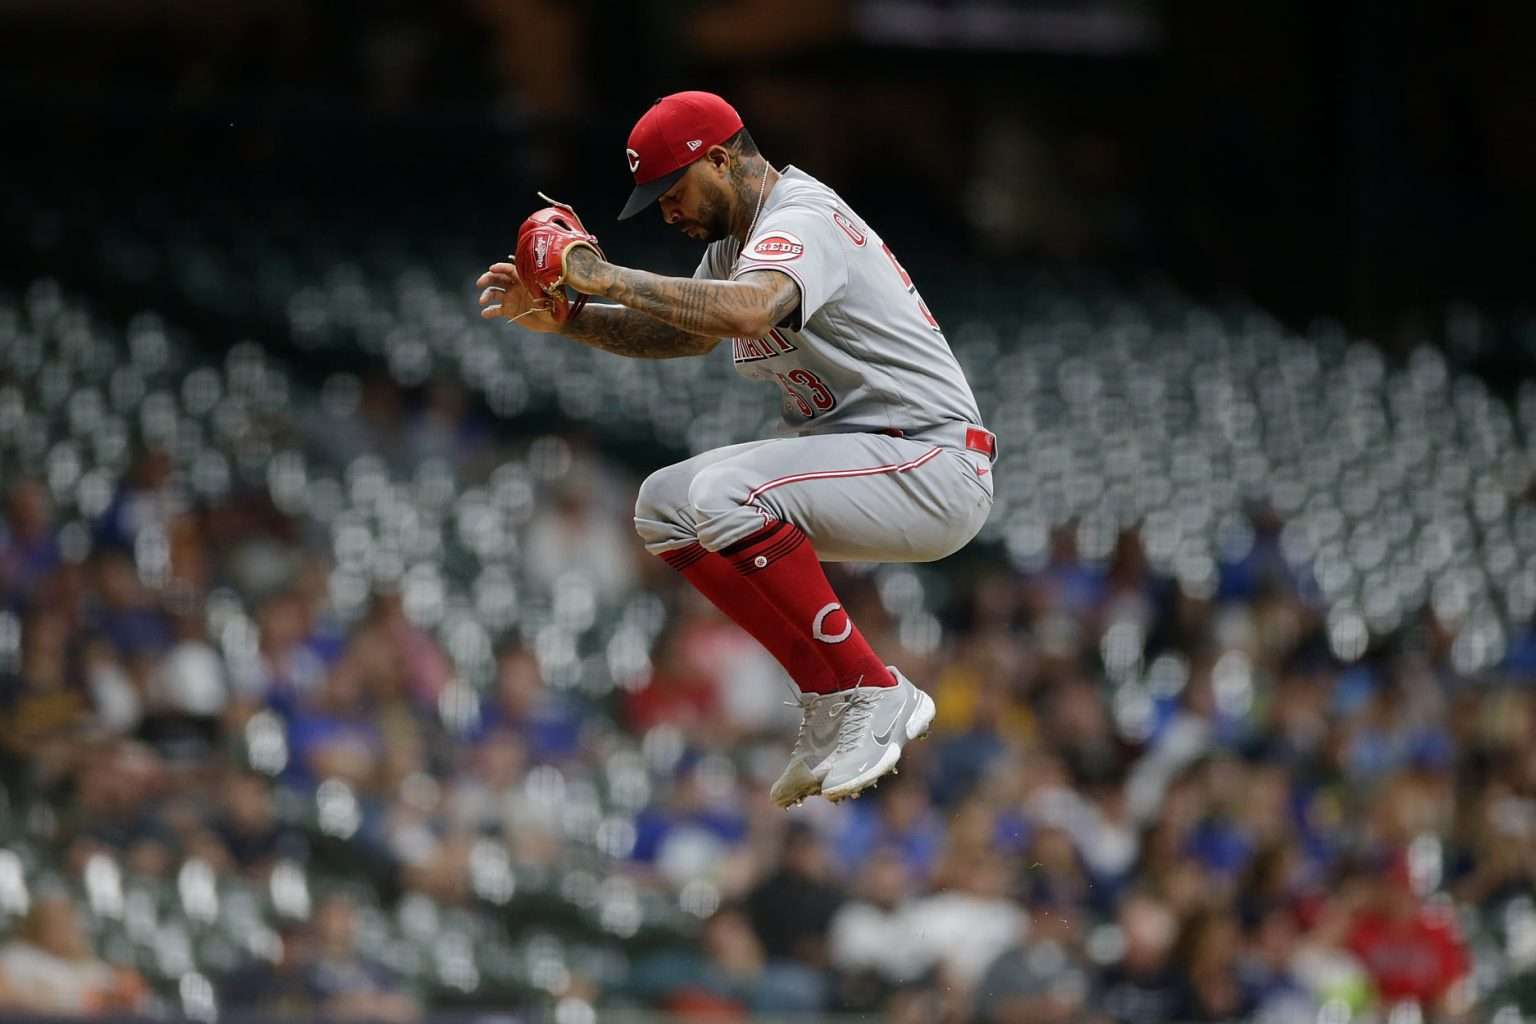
{"x": 821, "y": 617}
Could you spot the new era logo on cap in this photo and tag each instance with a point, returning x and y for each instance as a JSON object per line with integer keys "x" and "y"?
{"x": 676, "y": 131}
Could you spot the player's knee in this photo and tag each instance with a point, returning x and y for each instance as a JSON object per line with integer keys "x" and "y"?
{"x": 661, "y": 495}
{"x": 715, "y": 490}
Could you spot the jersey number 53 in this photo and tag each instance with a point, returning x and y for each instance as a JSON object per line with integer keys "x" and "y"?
{"x": 821, "y": 398}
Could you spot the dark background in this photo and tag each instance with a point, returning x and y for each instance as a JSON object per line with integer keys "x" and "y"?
{"x": 1372, "y": 161}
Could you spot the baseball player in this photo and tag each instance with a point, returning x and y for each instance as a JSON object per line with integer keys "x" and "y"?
{"x": 885, "y": 458}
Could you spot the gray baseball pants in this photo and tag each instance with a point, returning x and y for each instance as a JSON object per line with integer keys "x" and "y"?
{"x": 858, "y": 497}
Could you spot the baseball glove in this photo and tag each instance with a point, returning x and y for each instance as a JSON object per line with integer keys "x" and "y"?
{"x": 542, "y": 243}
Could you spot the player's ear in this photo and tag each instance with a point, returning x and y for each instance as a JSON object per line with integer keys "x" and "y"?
{"x": 719, "y": 157}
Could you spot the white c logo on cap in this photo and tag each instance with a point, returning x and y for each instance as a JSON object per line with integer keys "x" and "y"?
{"x": 821, "y": 617}
{"x": 634, "y": 160}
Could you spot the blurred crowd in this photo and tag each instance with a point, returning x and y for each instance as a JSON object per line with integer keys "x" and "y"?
{"x": 251, "y": 743}
{"x": 1271, "y": 835}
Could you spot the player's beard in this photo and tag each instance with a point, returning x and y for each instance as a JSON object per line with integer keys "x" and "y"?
{"x": 714, "y": 213}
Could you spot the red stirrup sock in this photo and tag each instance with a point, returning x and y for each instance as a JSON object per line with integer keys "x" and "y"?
{"x": 781, "y": 565}
{"x": 712, "y": 576}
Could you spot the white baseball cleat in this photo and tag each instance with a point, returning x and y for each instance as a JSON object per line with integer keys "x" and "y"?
{"x": 873, "y": 724}
{"x": 813, "y": 746}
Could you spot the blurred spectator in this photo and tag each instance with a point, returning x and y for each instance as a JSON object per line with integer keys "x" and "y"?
{"x": 119, "y": 787}
{"x": 147, "y": 500}
{"x": 1413, "y": 951}
{"x": 572, "y": 538}
{"x": 546, "y": 724}
{"x": 1207, "y": 953}
{"x": 756, "y": 696}
{"x": 485, "y": 791}
{"x": 445, "y": 429}
{"x": 1036, "y": 983}
{"x": 1143, "y": 987}
{"x": 1268, "y": 970}
{"x": 963, "y": 928}
{"x": 978, "y": 720}
{"x": 275, "y": 985}
{"x": 248, "y": 826}
{"x": 678, "y": 692}
{"x": 900, "y": 819}
{"x": 730, "y": 976}
{"x": 403, "y": 661}
{"x": 114, "y": 693}
{"x": 1054, "y": 886}
{"x": 341, "y": 983}
{"x": 28, "y": 547}
{"x": 49, "y": 967}
{"x": 335, "y": 733}
{"x": 184, "y": 695}
{"x": 868, "y": 941}
{"x": 692, "y": 831}
{"x": 44, "y": 710}
{"x": 286, "y": 669}
{"x": 793, "y": 907}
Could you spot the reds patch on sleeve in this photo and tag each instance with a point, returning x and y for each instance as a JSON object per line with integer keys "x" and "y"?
{"x": 778, "y": 247}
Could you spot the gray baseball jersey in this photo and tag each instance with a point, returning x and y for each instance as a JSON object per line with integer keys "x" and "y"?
{"x": 862, "y": 352}
{"x": 891, "y": 463}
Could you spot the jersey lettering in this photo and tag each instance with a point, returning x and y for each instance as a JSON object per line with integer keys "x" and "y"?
{"x": 750, "y": 350}
{"x": 854, "y": 234}
{"x": 906, "y": 282}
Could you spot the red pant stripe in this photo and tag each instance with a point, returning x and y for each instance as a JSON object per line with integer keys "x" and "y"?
{"x": 838, "y": 474}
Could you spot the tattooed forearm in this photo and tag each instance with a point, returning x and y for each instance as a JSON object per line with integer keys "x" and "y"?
{"x": 786, "y": 294}
{"x": 748, "y": 307}
{"x": 626, "y": 332}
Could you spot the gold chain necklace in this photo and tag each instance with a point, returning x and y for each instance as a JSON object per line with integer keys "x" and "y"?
{"x": 762, "y": 189}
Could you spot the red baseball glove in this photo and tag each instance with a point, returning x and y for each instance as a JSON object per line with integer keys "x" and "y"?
{"x": 542, "y": 243}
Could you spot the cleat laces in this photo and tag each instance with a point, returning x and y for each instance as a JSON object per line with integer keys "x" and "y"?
{"x": 853, "y": 718}
{"x": 807, "y": 704}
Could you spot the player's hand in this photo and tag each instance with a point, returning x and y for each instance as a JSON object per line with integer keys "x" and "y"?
{"x": 505, "y": 297}
{"x": 546, "y": 241}
{"x": 582, "y": 270}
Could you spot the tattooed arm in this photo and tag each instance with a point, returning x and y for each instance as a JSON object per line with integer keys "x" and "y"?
{"x": 613, "y": 329}
{"x": 627, "y": 332}
{"x": 748, "y": 307}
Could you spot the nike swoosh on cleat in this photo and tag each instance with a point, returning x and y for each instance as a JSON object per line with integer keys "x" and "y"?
{"x": 884, "y": 738}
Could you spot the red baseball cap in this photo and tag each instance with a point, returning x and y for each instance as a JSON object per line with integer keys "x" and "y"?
{"x": 676, "y": 131}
